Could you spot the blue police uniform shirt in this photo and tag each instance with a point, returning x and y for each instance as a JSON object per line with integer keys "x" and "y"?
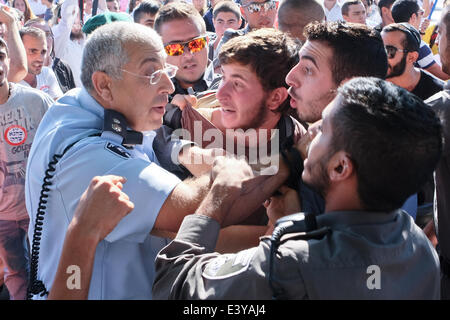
{"x": 124, "y": 260}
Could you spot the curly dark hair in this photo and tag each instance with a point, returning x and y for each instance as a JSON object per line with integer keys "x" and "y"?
{"x": 270, "y": 53}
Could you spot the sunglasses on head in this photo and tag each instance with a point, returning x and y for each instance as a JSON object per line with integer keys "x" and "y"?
{"x": 391, "y": 51}
{"x": 194, "y": 45}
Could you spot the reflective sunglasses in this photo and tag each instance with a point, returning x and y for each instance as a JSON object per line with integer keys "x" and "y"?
{"x": 391, "y": 51}
{"x": 194, "y": 45}
{"x": 154, "y": 78}
{"x": 256, "y": 6}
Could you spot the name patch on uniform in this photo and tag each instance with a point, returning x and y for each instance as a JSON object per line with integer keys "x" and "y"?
{"x": 118, "y": 150}
{"x": 229, "y": 265}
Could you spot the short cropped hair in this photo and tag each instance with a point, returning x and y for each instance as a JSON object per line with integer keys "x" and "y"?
{"x": 178, "y": 11}
{"x": 105, "y": 49}
{"x": 358, "y": 50}
{"x": 270, "y": 53}
{"x": 227, "y": 6}
{"x": 402, "y": 10}
{"x": 411, "y": 40}
{"x": 346, "y": 5}
{"x": 32, "y": 32}
{"x": 146, "y": 6}
{"x": 392, "y": 137}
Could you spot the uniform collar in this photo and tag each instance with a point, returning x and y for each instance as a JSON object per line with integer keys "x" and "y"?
{"x": 349, "y": 218}
{"x": 113, "y": 121}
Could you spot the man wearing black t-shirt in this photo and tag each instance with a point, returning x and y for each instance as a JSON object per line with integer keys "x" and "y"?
{"x": 402, "y": 43}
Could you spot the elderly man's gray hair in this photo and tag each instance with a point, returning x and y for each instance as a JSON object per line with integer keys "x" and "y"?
{"x": 105, "y": 49}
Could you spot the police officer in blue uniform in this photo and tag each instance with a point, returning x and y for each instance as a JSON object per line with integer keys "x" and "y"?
{"x": 106, "y": 128}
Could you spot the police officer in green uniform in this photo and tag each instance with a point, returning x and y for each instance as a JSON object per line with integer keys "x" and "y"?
{"x": 376, "y": 146}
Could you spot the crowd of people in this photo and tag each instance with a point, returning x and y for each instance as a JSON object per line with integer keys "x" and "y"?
{"x": 247, "y": 149}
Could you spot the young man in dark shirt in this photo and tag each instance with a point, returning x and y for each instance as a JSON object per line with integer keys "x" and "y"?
{"x": 402, "y": 43}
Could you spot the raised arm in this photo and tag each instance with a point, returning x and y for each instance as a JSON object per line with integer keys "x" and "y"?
{"x": 100, "y": 209}
{"x": 18, "y": 65}
{"x": 61, "y": 31}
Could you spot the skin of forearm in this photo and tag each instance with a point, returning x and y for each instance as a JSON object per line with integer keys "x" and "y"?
{"x": 199, "y": 187}
{"x": 236, "y": 238}
{"x": 18, "y": 65}
{"x": 79, "y": 251}
{"x": 184, "y": 200}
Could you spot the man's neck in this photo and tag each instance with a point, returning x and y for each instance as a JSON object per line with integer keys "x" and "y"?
{"x": 31, "y": 79}
{"x": 4, "y": 92}
{"x": 186, "y": 85}
{"x": 343, "y": 197}
{"x": 264, "y": 131}
{"x": 408, "y": 80}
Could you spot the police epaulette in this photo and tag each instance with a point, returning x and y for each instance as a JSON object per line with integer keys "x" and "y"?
{"x": 314, "y": 234}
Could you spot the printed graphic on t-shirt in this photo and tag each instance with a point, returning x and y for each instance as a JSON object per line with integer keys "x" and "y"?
{"x": 15, "y": 135}
{"x": 45, "y": 88}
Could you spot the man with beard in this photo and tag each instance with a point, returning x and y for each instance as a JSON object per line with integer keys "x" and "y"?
{"x": 61, "y": 68}
{"x": 409, "y": 11}
{"x": 356, "y": 250}
{"x": 251, "y": 115}
{"x": 39, "y": 77}
{"x": 333, "y": 53}
{"x": 69, "y": 39}
{"x": 402, "y": 43}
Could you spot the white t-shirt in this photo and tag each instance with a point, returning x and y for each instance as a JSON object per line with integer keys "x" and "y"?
{"x": 47, "y": 82}
{"x": 19, "y": 119}
{"x": 37, "y": 7}
{"x": 334, "y": 14}
{"x": 66, "y": 49}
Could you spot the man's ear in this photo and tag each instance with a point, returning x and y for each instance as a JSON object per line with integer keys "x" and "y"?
{"x": 413, "y": 56}
{"x": 385, "y": 11}
{"x": 276, "y": 98}
{"x": 413, "y": 19}
{"x": 340, "y": 167}
{"x": 102, "y": 85}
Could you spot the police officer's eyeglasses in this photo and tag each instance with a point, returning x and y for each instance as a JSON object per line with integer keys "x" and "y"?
{"x": 154, "y": 78}
{"x": 391, "y": 51}
{"x": 257, "y": 6}
{"x": 194, "y": 45}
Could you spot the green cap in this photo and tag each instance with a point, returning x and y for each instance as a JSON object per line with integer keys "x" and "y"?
{"x": 104, "y": 18}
